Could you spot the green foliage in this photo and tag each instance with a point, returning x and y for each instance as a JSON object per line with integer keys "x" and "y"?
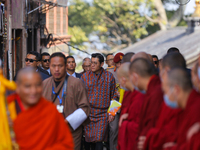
{"x": 182, "y": 23}
{"x": 115, "y": 22}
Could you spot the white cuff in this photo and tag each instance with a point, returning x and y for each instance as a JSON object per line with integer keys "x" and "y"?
{"x": 76, "y": 118}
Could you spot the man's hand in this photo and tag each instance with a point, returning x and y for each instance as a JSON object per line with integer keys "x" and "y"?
{"x": 168, "y": 145}
{"x": 122, "y": 118}
{"x": 193, "y": 130}
{"x": 110, "y": 118}
{"x": 66, "y": 121}
{"x": 141, "y": 142}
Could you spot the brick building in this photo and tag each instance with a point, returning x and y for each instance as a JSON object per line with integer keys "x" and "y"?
{"x": 26, "y": 26}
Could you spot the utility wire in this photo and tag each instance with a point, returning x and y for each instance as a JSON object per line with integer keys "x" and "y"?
{"x": 71, "y": 45}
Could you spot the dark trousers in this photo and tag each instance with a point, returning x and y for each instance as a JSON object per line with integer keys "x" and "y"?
{"x": 94, "y": 146}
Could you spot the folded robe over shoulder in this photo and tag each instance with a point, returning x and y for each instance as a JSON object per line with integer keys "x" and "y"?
{"x": 165, "y": 130}
{"x": 40, "y": 127}
{"x": 194, "y": 142}
{"x": 126, "y": 102}
{"x": 189, "y": 116}
{"x": 128, "y": 132}
{"x": 152, "y": 106}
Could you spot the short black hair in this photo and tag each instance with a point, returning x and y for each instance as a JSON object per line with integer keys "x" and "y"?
{"x": 155, "y": 56}
{"x": 109, "y": 55}
{"x": 69, "y": 57}
{"x": 36, "y": 54}
{"x": 173, "y": 60}
{"x": 99, "y": 56}
{"x": 127, "y": 57}
{"x": 58, "y": 54}
{"x": 172, "y": 50}
{"x": 45, "y": 54}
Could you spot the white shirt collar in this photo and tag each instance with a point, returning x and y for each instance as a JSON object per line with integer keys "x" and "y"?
{"x": 73, "y": 75}
{"x": 47, "y": 70}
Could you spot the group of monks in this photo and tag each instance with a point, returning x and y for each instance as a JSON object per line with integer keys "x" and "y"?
{"x": 160, "y": 108}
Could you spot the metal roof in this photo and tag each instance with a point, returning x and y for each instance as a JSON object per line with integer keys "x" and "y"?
{"x": 159, "y": 42}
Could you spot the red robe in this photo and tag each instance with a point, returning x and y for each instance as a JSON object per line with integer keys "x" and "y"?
{"x": 152, "y": 106}
{"x": 194, "y": 142}
{"x": 190, "y": 115}
{"x": 165, "y": 130}
{"x": 126, "y": 102}
{"x": 128, "y": 132}
{"x": 41, "y": 127}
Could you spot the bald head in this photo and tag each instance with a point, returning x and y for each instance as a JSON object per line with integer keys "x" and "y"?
{"x": 150, "y": 58}
{"x": 29, "y": 86}
{"x": 27, "y": 71}
{"x": 140, "y": 55}
{"x": 180, "y": 77}
{"x": 123, "y": 70}
{"x": 127, "y": 57}
{"x": 195, "y": 68}
{"x": 142, "y": 67}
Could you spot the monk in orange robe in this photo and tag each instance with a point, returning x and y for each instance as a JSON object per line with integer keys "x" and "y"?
{"x": 142, "y": 74}
{"x": 178, "y": 91}
{"x": 129, "y": 119}
{"x": 36, "y": 122}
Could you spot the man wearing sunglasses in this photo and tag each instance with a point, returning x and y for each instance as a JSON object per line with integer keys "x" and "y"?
{"x": 45, "y": 62}
{"x": 32, "y": 60}
{"x": 155, "y": 60}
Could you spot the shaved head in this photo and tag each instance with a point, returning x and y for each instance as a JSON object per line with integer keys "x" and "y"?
{"x": 142, "y": 67}
{"x": 180, "y": 77}
{"x": 150, "y": 58}
{"x": 173, "y": 60}
{"x": 123, "y": 70}
{"x": 140, "y": 55}
{"x": 127, "y": 57}
{"x": 29, "y": 86}
{"x": 25, "y": 72}
{"x": 195, "y": 68}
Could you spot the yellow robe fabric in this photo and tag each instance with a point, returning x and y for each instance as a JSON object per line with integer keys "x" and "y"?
{"x": 5, "y": 142}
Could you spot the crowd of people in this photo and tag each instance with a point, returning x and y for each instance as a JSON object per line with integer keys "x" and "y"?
{"x": 55, "y": 107}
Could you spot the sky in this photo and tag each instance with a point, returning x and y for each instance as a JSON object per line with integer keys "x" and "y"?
{"x": 189, "y": 7}
{"x": 189, "y": 10}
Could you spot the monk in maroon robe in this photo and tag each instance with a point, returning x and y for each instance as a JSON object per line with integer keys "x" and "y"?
{"x": 166, "y": 127}
{"x": 129, "y": 119}
{"x": 179, "y": 94}
{"x": 126, "y": 102}
{"x": 142, "y": 73}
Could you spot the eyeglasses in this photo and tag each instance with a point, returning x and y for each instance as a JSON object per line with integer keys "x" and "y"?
{"x": 45, "y": 60}
{"x": 156, "y": 62}
{"x": 109, "y": 60}
{"x": 30, "y": 60}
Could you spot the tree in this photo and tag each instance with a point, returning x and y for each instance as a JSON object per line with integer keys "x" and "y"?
{"x": 117, "y": 23}
{"x": 162, "y": 19}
